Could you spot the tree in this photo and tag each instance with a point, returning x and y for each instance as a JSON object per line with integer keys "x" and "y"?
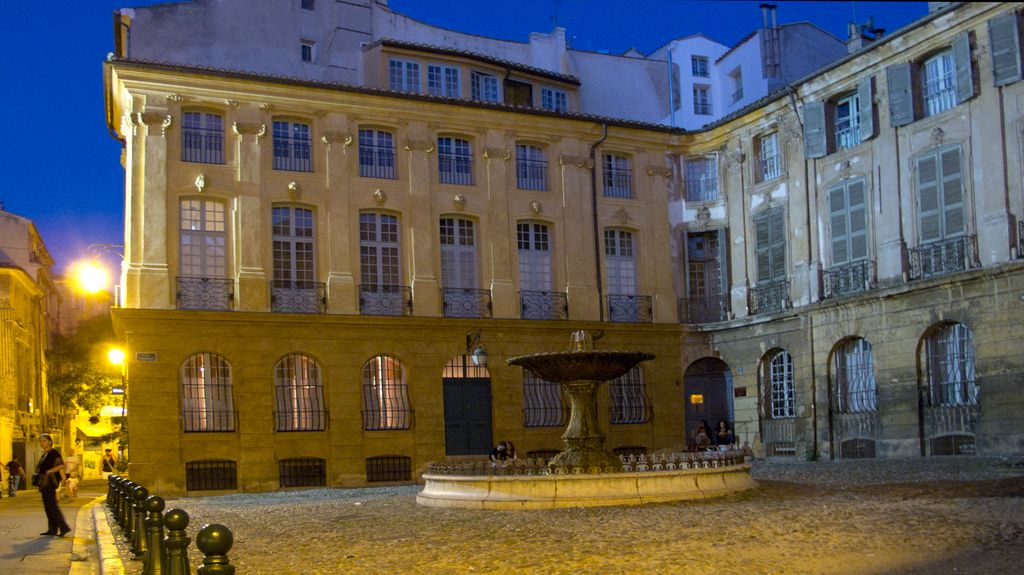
{"x": 80, "y": 375}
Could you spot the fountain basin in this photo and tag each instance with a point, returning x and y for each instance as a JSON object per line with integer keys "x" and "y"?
{"x": 583, "y": 489}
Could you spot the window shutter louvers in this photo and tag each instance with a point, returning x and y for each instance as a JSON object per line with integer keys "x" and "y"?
{"x": 858, "y": 228}
{"x": 778, "y": 255}
{"x": 928, "y": 198}
{"x": 814, "y": 130}
{"x": 865, "y": 99}
{"x": 964, "y": 69}
{"x": 837, "y": 217}
{"x": 723, "y": 262}
{"x": 901, "y": 98}
{"x": 1005, "y": 39}
{"x": 952, "y": 194}
{"x": 764, "y": 248}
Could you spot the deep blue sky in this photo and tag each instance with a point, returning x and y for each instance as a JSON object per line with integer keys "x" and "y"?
{"x": 61, "y": 168}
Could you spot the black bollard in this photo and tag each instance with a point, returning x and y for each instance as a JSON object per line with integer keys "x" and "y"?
{"x": 112, "y": 500}
{"x": 176, "y": 542}
{"x": 126, "y": 506}
{"x": 110, "y": 490}
{"x": 215, "y": 541}
{"x": 138, "y": 540}
{"x": 155, "y": 561}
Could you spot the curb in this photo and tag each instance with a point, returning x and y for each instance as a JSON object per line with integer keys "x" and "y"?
{"x": 83, "y": 558}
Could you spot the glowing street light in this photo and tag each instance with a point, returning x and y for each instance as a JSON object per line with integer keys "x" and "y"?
{"x": 92, "y": 277}
{"x": 116, "y": 356}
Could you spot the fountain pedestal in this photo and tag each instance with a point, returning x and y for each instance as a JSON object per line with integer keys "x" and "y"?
{"x": 584, "y": 443}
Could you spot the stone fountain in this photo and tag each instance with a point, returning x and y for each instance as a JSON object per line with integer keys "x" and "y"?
{"x": 584, "y": 473}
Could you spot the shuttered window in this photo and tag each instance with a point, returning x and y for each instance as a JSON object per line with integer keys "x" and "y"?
{"x": 848, "y": 222}
{"x": 901, "y": 94}
{"x": 940, "y": 194}
{"x": 771, "y": 245}
{"x": 815, "y": 143}
{"x": 963, "y": 67}
{"x": 1004, "y": 35}
{"x": 865, "y": 99}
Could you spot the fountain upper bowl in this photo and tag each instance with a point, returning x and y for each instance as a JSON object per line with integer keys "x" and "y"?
{"x": 592, "y": 365}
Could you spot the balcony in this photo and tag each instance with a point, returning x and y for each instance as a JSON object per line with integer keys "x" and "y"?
{"x": 466, "y": 302}
{"x": 943, "y": 257}
{"x": 703, "y": 310}
{"x": 543, "y": 305}
{"x": 848, "y": 279}
{"x": 385, "y": 300}
{"x": 769, "y": 297}
{"x": 298, "y": 297}
{"x": 212, "y": 294}
{"x": 630, "y": 309}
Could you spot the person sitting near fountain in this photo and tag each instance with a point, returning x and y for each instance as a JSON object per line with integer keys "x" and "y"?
{"x": 701, "y": 439}
{"x": 500, "y": 452}
{"x": 724, "y": 435}
{"x": 510, "y": 450}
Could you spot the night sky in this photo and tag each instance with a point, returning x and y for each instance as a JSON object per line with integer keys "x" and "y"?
{"x": 61, "y": 168}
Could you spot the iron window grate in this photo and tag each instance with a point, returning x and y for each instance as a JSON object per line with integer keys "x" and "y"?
{"x": 388, "y": 468}
{"x": 211, "y": 475}
{"x": 302, "y": 472}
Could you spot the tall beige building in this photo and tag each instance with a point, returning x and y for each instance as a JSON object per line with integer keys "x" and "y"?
{"x": 322, "y": 280}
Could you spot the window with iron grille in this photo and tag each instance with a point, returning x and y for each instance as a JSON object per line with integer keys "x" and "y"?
{"x": 554, "y": 100}
{"x": 202, "y": 138}
{"x": 211, "y": 475}
{"x": 531, "y": 168}
{"x": 846, "y": 121}
{"x": 206, "y": 392}
{"x": 618, "y": 176}
{"x": 484, "y": 87}
{"x": 629, "y": 398}
{"x": 294, "y": 247}
{"x": 544, "y": 404}
{"x": 699, "y": 66}
{"x": 302, "y": 472}
{"x": 458, "y": 253}
{"x": 203, "y": 253}
{"x": 454, "y": 161}
{"x": 404, "y": 76}
{"x": 385, "y": 468}
{"x": 939, "y": 83}
{"x": 702, "y": 179}
{"x": 853, "y": 377}
{"x": 299, "y": 394}
{"x": 385, "y": 396}
{"x": 950, "y": 366}
{"x": 702, "y": 100}
{"x": 443, "y": 81}
{"x": 376, "y": 154}
{"x": 292, "y": 147}
{"x": 778, "y": 385}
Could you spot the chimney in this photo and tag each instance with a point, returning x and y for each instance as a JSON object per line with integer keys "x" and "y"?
{"x": 768, "y": 16}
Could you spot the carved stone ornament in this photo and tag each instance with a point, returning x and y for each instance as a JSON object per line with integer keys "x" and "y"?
{"x": 425, "y": 146}
{"x": 266, "y": 107}
{"x": 249, "y": 129}
{"x": 201, "y": 183}
{"x": 330, "y": 138}
{"x": 379, "y": 197}
{"x": 655, "y": 170}
{"x": 294, "y": 192}
{"x": 766, "y": 195}
{"x": 938, "y": 134}
{"x": 459, "y": 201}
{"x": 177, "y": 98}
{"x": 578, "y": 161}
{"x": 703, "y": 217}
{"x": 536, "y": 207}
{"x": 845, "y": 168}
{"x": 157, "y": 122}
{"x": 231, "y": 103}
{"x": 622, "y": 216}
{"x": 497, "y": 153}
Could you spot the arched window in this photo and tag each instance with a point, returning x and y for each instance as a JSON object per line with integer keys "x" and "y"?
{"x": 206, "y": 400}
{"x": 778, "y": 386}
{"x": 299, "y": 395}
{"x": 949, "y": 366}
{"x": 543, "y": 402}
{"x": 385, "y": 397}
{"x": 629, "y": 398}
{"x": 853, "y": 377}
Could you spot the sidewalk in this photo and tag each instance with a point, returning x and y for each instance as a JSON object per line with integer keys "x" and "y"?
{"x": 24, "y": 551}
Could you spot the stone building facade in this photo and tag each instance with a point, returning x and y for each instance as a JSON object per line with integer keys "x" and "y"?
{"x": 311, "y": 267}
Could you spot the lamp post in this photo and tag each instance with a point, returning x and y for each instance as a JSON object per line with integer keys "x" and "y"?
{"x": 117, "y": 357}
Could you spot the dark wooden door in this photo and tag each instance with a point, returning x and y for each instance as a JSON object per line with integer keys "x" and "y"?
{"x": 467, "y": 408}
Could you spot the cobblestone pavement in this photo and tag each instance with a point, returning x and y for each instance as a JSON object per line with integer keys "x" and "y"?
{"x": 938, "y": 515}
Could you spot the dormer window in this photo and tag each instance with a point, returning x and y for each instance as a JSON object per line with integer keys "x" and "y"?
{"x": 484, "y": 87}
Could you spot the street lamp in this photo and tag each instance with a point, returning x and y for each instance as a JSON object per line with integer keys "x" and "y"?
{"x": 92, "y": 275}
{"x": 116, "y": 356}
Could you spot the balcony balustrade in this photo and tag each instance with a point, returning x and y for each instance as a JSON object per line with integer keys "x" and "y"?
{"x": 198, "y": 293}
{"x": 848, "y": 279}
{"x": 298, "y": 297}
{"x": 466, "y": 302}
{"x": 385, "y": 300}
{"x": 769, "y": 297}
{"x": 944, "y": 257}
{"x": 703, "y": 310}
{"x": 630, "y": 309}
{"x": 543, "y": 305}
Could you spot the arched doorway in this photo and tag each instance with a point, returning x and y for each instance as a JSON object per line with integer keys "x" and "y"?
{"x": 467, "y": 407}
{"x": 707, "y": 393}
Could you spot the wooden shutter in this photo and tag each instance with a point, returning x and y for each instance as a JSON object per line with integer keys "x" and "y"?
{"x": 764, "y": 248}
{"x": 815, "y": 143}
{"x": 928, "y": 198}
{"x": 778, "y": 238}
{"x": 1004, "y": 38}
{"x": 865, "y": 99}
{"x": 723, "y": 266}
{"x": 964, "y": 69}
{"x": 952, "y": 193}
{"x": 856, "y": 201}
{"x": 838, "y": 224}
{"x": 901, "y": 97}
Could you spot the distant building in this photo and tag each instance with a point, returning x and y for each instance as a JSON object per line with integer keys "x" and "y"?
{"x": 314, "y": 253}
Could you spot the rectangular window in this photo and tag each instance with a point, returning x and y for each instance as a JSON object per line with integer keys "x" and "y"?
{"x": 699, "y": 66}
{"x": 939, "y": 85}
{"x": 768, "y": 164}
{"x": 707, "y": 288}
{"x": 618, "y": 177}
{"x": 404, "y": 76}
{"x": 534, "y": 257}
{"x": 202, "y": 138}
{"x": 736, "y": 80}
{"x": 454, "y": 161}
{"x": 202, "y": 257}
{"x": 292, "y": 147}
{"x": 531, "y": 168}
{"x": 770, "y": 227}
{"x": 484, "y": 87}
{"x": 702, "y": 179}
{"x": 458, "y": 253}
{"x": 376, "y": 154}
{"x": 847, "y": 207}
{"x": 293, "y": 247}
{"x": 554, "y": 100}
{"x": 443, "y": 81}
{"x": 940, "y": 195}
{"x": 308, "y": 50}
{"x": 702, "y": 100}
{"x": 308, "y": 4}
{"x": 846, "y": 122}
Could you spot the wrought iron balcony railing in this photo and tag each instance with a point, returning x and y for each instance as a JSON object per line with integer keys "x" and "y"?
{"x": 376, "y": 161}
{"x": 298, "y": 297}
{"x": 203, "y": 145}
{"x": 455, "y": 169}
{"x": 300, "y": 420}
{"x": 848, "y": 279}
{"x": 768, "y": 297}
{"x": 630, "y": 308}
{"x": 768, "y": 168}
{"x": 943, "y": 257}
{"x": 196, "y": 293}
{"x": 531, "y": 174}
{"x": 199, "y": 420}
{"x": 847, "y": 137}
{"x": 385, "y": 300}
{"x": 703, "y": 310}
{"x": 543, "y": 305}
{"x": 618, "y": 183}
{"x": 466, "y": 302}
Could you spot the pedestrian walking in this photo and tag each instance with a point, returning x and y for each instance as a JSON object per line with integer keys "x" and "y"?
{"x": 109, "y": 463}
{"x": 72, "y": 471}
{"x": 47, "y": 479}
{"x": 17, "y": 475}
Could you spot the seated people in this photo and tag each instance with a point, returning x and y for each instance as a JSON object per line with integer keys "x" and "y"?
{"x": 500, "y": 452}
{"x": 701, "y": 440}
{"x": 724, "y": 435}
